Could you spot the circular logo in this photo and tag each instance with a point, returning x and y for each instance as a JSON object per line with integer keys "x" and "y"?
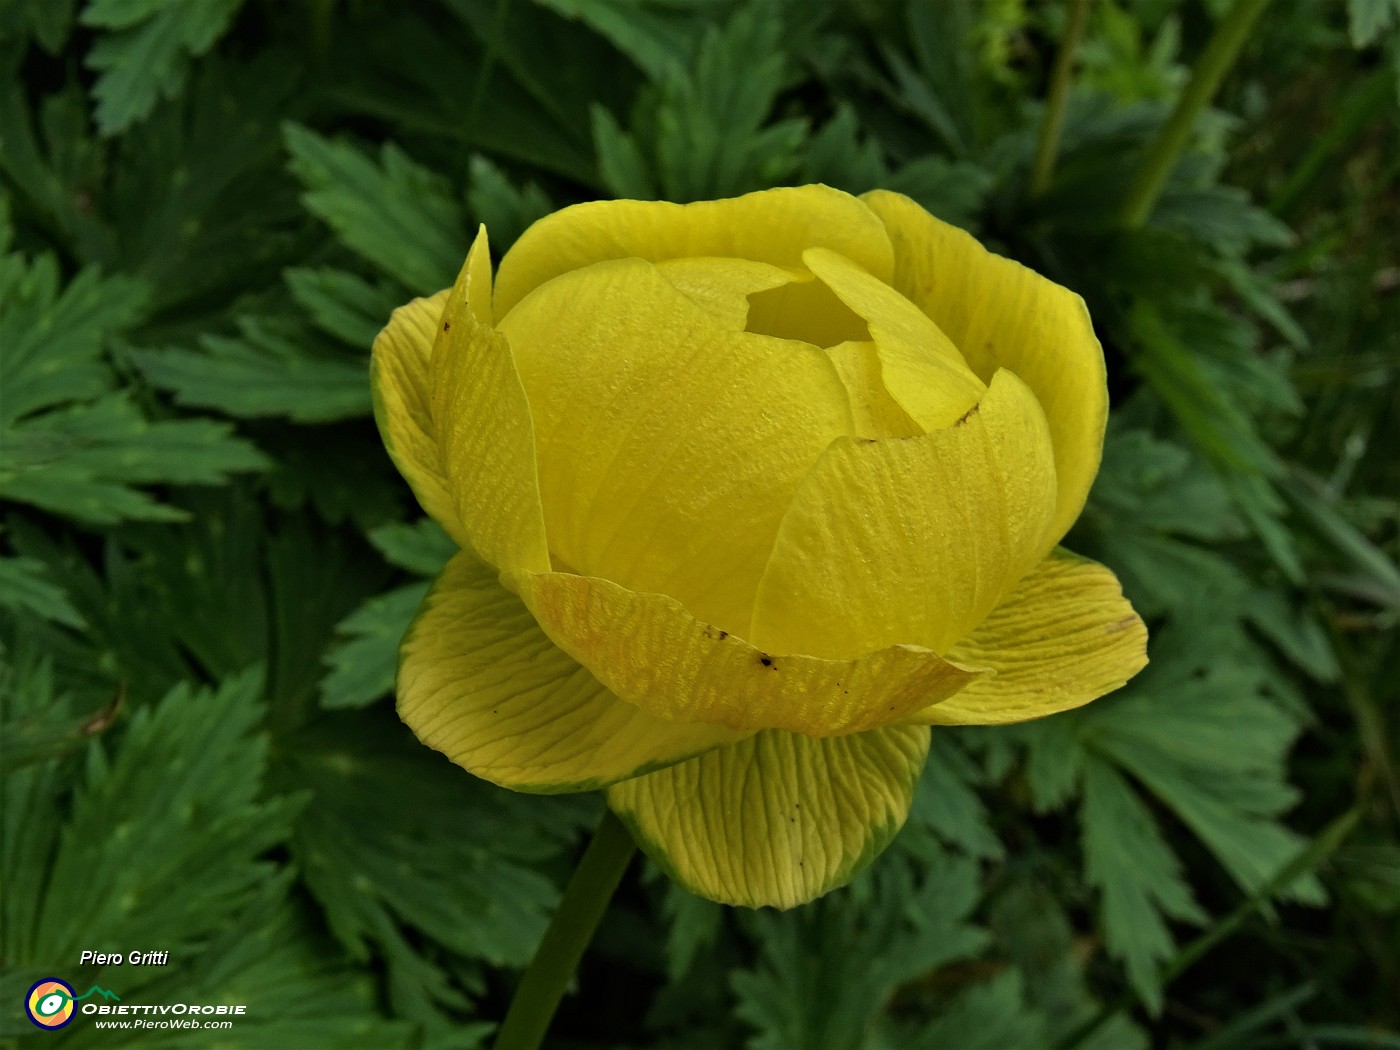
{"x": 49, "y": 1003}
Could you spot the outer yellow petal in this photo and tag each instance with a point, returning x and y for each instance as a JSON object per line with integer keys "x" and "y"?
{"x": 922, "y": 369}
{"x": 1002, "y": 315}
{"x": 1064, "y": 637}
{"x": 911, "y": 540}
{"x": 402, "y": 389}
{"x": 778, "y": 819}
{"x": 483, "y": 427}
{"x": 480, "y": 682}
{"x": 772, "y": 226}
{"x": 668, "y": 447}
{"x": 648, "y": 649}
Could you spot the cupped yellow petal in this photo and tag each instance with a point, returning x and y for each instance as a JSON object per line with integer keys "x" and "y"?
{"x": 772, "y": 226}
{"x": 485, "y": 436}
{"x": 721, "y": 287}
{"x": 911, "y": 540}
{"x": 874, "y": 413}
{"x": 1064, "y": 637}
{"x": 1002, "y": 315}
{"x": 648, "y": 649}
{"x": 668, "y": 446}
{"x": 479, "y": 681}
{"x": 921, "y": 368}
{"x": 777, "y": 819}
{"x": 402, "y": 391}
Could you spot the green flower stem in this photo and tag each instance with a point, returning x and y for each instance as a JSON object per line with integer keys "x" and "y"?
{"x": 1054, "y": 118}
{"x": 1206, "y": 76}
{"x": 585, "y": 900}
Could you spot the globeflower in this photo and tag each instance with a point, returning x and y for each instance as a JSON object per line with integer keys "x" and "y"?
{"x": 752, "y": 495}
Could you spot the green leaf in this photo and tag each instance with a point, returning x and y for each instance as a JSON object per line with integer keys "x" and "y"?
{"x": 128, "y": 867}
{"x": 54, "y": 341}
{"x": 657, "y": 36}
{"x": 24, "y": 588}
{"x": 1368, "y": 20}
{"x": 1138, "y": 875}
{"x": 85, "y": 461}
{"x": 300, "y": 992}
{"x": 506, "y": 210}
{"x": 364, "y": 660}
{"x": 992, "y": 1015}
{"x": 145, "y": 50}
{"x": 706, "y": 133}
{"x": 409, "y": 855}
{"x": 396, "y": 214}
{"x": 826, "y": 972}
{"x": 421, "y": 547}
{"x": 270, "y": 369}
{"x": 70, "y": 446}
{"x": 343, "y": 304}
{"x": 947, "y": 808}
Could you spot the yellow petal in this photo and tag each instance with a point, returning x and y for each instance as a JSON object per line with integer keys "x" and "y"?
{"x": 649, "y": 650}
{"x": 911, "y": 540}
{"x": 1002, "y": 315}
{"x": 399, "y": 379}
{"x": 922, "y": 369}
{"x": 668, "y": 446}
{"x": 480, "y": 682}
{"x": 874, "y": 412}
{"x": 1064, "y": 637}
{"x": 483, "y": 427}
{"x": 778, "y": 819}
{"x": 721, "y": 287}
{"x": 771, "y": 226}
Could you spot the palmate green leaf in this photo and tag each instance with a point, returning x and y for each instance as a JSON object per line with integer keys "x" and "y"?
{"x": 49, "y": 21}
{"x": 1033, "y": 932}
{"x": 38, "y": 719}
{"x": 826, "y": 972}
{"x": 25, "y": 589}
{"x": 411, "y": 857}
{"x": 86, "y": 460}
{"x": 992, "y": 1015}
{"x": 947, "y": 808}
{"x": 71, "y": 446}
{"x": 364, "y": 660}
{"x": 506, "y": 210}
{"x": 657, "y": 35}
{"x": 299, "y": 991}
{"x": 270, "y": 368}
{"x": 126, "y": 867}
{"x": 1369, "y": 20}
{"x": 343, "y": 304}
{"x": 1213, "y": 749}
{"x": 704, "y": 133}
{"x": 143, "y": 50}
{"x": 396, "y": 214}
{"x": 1140, "y": 878}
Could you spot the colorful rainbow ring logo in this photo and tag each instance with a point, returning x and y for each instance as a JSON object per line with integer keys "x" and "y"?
{"x": 49, "y": 1003}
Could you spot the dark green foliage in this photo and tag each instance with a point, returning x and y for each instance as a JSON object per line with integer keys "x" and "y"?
{"x": 208, "y": 208}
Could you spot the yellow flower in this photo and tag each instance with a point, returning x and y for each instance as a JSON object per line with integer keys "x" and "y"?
{"x": 750, "y": 493}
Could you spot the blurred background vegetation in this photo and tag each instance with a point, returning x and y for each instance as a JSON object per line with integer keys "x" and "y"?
{"x": 209, "y": 207}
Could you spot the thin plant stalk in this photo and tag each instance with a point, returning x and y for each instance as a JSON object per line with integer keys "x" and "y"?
{"x": 1206, "y": 77}
{"x": 580, "y": 909}
{"x": 1053, "y": 120}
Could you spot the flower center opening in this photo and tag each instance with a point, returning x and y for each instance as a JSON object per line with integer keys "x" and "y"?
{"x": 805, "y": 310}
